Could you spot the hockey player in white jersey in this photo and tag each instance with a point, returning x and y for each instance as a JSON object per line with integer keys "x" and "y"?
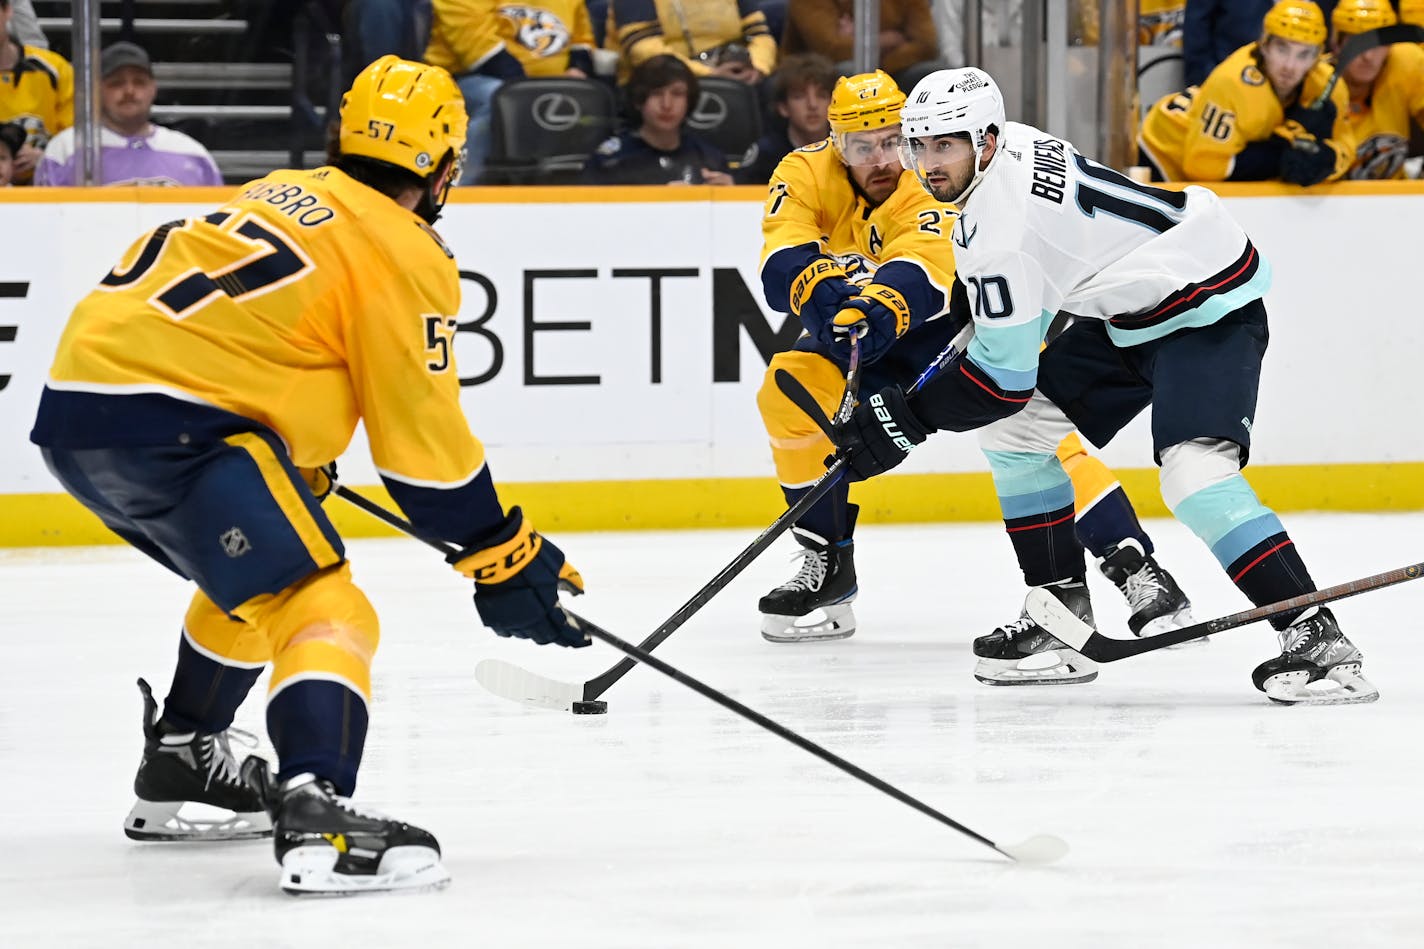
{"x": 1167, "y": 290}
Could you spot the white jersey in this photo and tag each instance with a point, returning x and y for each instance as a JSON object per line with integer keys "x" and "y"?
{"x": 1047, "y": 231}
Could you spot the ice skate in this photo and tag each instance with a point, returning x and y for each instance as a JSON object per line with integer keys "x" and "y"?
{"x": 329, "y": 847}
{"x": 1317, "y": 665}
{"x": 190, "y": 787}
{"x": 815, "y": 604}
{"x": 1024, "y": 653}
{"x": 1157, "y": 603}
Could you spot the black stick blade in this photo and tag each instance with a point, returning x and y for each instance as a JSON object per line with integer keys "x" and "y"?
{"x": 792, "y": 388}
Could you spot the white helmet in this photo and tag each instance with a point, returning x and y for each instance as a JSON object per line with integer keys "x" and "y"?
{"x": 950, "y": 101}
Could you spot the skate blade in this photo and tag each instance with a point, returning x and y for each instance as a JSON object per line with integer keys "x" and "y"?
{"x": 1342, "y": 685}
{"x": 1045, "y": 668}
{"x": 178, "y": 821}
{"x": 837, "y": 622}
{"x": 1165, "y": 624}
{"x": 311, "y": 871}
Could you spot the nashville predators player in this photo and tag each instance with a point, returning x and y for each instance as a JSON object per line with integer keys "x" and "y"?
{"x": 1250, "y": 121}
{"x": 196, "y": 396}
{"x": 1386, "y": 86}
{"x": 852, "y": 243}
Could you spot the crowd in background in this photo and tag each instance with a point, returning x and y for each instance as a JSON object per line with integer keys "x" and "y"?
{"x": 658, "y": 55}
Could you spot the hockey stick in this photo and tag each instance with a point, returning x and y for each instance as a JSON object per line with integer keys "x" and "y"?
{"x": 1045, "y": 610}
{"x": 1041, "y": 848}
{"x": 1361, "y": 43}
{"x": 517, "y": 684}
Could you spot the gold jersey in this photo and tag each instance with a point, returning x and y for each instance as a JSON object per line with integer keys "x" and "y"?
{"x": 1381, "y": 121}
{"x": 464, "y": 34}
{"x": 38, "y": 94}
{"x": 1196, "y": 135}
{"x": 541, "y": 34}
{"x": 812, "y": 209}
{"x": 306, "y": 303}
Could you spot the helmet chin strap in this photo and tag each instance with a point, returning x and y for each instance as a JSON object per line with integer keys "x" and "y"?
{"x": 979, "y": 172}
{"x": 428, "y": 208}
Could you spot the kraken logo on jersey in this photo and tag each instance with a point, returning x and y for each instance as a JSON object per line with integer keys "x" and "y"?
{"x": 537, "y": 29}
{"x": 1380, "y": 156}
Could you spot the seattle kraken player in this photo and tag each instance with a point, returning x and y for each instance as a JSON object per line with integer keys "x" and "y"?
{"x": 1168, "y": 289}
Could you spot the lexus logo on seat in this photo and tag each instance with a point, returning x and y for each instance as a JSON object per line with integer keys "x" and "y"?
{"x": 711, "y": 111}
{"x": 556, "y": 112}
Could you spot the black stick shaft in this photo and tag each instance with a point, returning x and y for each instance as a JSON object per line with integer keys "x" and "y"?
{"x": 636, "y": 655}
{"x": 781, "y": 731}
{"x": 1112, "y": 649}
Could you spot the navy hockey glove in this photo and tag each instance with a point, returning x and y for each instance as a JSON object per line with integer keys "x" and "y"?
{"x": 518, "y": 574}
{"x": 817, "y": 295}
{"x": 879, "y": 315}
{"x": 1318, "y": 122}
{"x": 880, "y": 433}
{"x": 1304, "y": 167}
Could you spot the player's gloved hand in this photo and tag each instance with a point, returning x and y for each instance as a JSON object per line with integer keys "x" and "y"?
{"x": 321, "y": 480}
{"x": 879, "y": 315}
{"x": 518, "y": 574}
{"x": 1300, "y": 166}
{"x": 817, "y": 295}
{"x": 1318, "y": 122}
{"x": 880, "y": 433}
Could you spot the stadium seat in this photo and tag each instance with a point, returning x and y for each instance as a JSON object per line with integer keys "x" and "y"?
{"x": 543, "y": 129}
{"x": 728, "y": 114}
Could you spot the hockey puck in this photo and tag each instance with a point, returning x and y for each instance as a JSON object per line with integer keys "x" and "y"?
{"x": 595, "y": 707}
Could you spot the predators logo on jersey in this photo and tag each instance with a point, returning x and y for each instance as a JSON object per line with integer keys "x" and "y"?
{"x": 537, "y": 30}
{"x": 1382, "y": 116}
{"x": 1160, "y": 22}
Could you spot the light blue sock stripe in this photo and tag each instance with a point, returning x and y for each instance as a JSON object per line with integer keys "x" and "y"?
{"x": 1229, "y": 518}
{"x": 1029, "y": 482}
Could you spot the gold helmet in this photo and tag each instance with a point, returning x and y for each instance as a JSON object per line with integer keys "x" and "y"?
{"x": 1357, "y": 16}
{"x": 864, "y": 103}
{"x": 1299, "y": 21}
{"x": 1411, "y": 12}
{"x": 406, "y": 114}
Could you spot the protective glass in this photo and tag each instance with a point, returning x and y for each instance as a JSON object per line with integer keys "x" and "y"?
{"x": 875, "y": 147}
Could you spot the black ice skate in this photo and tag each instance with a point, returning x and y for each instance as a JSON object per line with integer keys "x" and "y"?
{"x": 328, "y": 847}
{"x": 190, "y": 787}
{"x": 1317, "y": 665}
{"x": 1024, "y": 653}
{"x": 815, "y": 604}
{"x": 1157, "y": 603}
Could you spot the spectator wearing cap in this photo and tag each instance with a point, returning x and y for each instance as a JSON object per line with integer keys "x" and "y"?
{"x": 12, "y": 137}
{"x": 36, "y": 90}
{"x": 133, "y": 151}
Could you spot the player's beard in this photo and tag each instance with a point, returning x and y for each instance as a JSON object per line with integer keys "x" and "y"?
{"x": 947, "y": 185}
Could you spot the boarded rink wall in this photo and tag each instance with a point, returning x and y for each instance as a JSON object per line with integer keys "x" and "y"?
{"x": 612, "y": 340}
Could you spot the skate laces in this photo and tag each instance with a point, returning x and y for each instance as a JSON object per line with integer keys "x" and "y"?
{"x": 812, "y": 573}
{"x": 222, "y": 764}
{"x": 1024, "y": 624}
{"x": 1142, "y": 587}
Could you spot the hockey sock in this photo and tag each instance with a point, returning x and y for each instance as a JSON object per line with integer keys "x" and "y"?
{"x": 318, "y": 726}
{"x": 1036, "y": 499}
{"x": 206, "y": 692}
{"x": 832, "y": 517}
{"x": 1108, "y": 521}
{"x": 1249, "y": 542}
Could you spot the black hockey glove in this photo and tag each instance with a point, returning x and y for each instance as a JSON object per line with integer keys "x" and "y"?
{"x": 1303, "y": 167}
{"x": 1318, "y": 122}
{"x": 321, "y": 480}
{"x": 817, "y": 295}
{"x": 879, "y": 435}
{"x": 518, "y": 574}
{"x": 879, "y": 315}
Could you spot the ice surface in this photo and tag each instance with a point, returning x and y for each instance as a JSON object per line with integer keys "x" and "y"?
{"x": 1199, "y": 814}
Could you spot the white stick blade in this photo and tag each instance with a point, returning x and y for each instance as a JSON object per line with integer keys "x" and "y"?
{"x": 515, "y": 684}
{"x": 1042, "y": 848}
{"x": 1045, "y": 610}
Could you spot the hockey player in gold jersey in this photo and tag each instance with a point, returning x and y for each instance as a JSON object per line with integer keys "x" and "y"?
{"x": 1386, "y": 86}
{"x": 195, "y": 399}
{"x": 850, "y": 238}
{"x": 1249, "y": 120}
